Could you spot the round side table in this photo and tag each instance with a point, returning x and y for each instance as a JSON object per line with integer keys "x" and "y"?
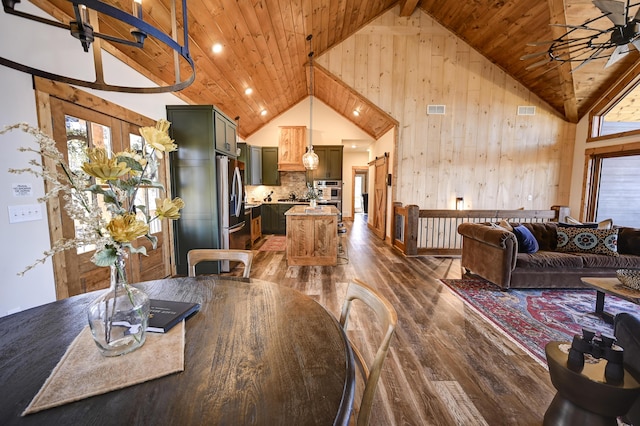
{"x": 585, "y": 398}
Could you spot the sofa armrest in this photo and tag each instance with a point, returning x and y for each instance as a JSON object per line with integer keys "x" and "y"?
{"x": 489, "y": 252}
{"x": 487, "y": 234}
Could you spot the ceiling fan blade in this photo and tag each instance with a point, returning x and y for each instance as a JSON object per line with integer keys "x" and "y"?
{"x": 614, "y": 10}
{"x": 533, "y": 55}
{"x": 541, "y": 43}
{"x": 575, "y": 27}
{"x": 538, "y": 64}
{"x": 617, "y": 54}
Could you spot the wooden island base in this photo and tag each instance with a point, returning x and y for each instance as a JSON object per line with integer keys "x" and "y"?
{"x": 312, "y": 236}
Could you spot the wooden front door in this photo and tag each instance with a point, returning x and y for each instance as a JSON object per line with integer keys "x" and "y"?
{"x": 76, "y": 128}
{"x": 379, "y": 213}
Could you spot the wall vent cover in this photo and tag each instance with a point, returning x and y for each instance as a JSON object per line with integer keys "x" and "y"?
{"x": 526, "y": 110}
{"x": 435, "y": 109}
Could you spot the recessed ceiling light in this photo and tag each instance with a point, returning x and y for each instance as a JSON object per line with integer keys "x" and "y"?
{"x": 248, "y": 91}
{"x": 263, "y": 112}
{"x": 356, "y": 112}
{"x": 217, "y": 48}
{"x": 353, "y": 146}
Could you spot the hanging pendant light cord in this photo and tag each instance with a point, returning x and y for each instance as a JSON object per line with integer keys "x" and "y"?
{"x": 310, "y": 93}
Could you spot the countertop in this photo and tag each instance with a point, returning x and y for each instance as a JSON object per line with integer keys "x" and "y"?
{"x": 298, "y": 210}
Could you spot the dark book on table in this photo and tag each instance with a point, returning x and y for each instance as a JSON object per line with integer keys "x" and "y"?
{"x": 166, "y": 313}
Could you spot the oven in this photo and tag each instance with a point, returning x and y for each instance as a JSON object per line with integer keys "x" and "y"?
{"x": 329, "y": 189}
{"x": 336, "y": 203}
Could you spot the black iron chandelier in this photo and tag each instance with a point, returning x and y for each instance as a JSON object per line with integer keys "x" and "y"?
{"x": 84, "y": 28}
{"x": 594, "y": 40}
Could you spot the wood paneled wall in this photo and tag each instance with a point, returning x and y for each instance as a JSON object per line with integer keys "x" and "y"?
{"x": 480, "y": 149}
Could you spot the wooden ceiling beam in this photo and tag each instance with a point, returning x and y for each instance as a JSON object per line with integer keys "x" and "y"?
{"x": 558, "y": 16}
{"x": 407, "y": 7}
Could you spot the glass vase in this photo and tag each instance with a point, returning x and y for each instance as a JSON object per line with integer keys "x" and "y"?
{"x": 313, "y": 203}
{"x": 118, "y": 318}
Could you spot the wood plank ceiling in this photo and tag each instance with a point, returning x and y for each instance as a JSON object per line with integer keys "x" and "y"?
{"x": 265, "y": 49}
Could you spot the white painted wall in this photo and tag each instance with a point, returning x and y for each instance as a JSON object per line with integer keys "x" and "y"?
{"x": 56, "y": 51}
{"x": 329, "y": 128}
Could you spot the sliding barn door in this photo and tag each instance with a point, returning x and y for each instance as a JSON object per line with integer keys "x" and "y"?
{"x": 378, "y": 222}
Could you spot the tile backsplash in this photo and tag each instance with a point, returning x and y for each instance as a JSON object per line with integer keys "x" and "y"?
{"x": 295, "y": 182}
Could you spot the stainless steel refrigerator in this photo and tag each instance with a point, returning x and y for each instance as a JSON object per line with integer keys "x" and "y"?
{"x": 235, "y": 232}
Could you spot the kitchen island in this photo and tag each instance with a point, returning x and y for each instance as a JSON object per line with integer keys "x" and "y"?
{"x": 312, "y": 235}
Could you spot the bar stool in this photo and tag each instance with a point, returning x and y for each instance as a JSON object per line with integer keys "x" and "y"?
{"x": 343, "y": 256}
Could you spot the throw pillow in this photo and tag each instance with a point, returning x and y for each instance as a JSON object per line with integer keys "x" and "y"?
{"x": 506, "y": 225}
{"x": 527, "y": 243}
{"x": 572, "y": 221}
{"x": 603, "y": 224}
{"x": 581, "y": 225}
{"x": 583, "y": 240}
{"x": 496, "y": 226}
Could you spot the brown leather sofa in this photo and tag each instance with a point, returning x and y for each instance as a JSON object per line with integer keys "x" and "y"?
{"x": 492, "y": 253}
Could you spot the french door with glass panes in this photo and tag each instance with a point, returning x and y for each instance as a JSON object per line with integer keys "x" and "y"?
{"x": 76, "y": 129}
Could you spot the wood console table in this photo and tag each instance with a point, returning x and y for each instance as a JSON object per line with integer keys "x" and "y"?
{"x": 256, "y": 353}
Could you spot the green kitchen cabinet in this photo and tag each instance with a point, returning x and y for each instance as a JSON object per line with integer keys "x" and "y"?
{"x": 269, "y": 218}
{"x": 273, "y": 219}
{"x": 270, "y": 173}
{"x": 195, "y": 129}
{"x": 329, "y": 162}
{"x": 251, "y": 156}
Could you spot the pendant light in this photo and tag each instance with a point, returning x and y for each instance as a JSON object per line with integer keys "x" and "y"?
{"x": 310, "y": 158}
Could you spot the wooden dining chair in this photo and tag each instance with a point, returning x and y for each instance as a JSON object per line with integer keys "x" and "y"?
{"x": 387, "y": 316}
{"x": 196, "y": 256}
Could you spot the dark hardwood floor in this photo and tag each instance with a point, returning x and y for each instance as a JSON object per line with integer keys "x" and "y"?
{"x": 446, "y": 365}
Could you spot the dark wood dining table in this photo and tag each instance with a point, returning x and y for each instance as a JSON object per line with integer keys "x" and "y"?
{"x": 255, "y": 353}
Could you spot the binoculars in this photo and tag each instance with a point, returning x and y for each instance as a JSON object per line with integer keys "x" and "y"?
{"x": 598, "y": 346}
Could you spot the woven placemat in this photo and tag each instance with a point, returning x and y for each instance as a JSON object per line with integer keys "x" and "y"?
{"x": 83, "y": 371}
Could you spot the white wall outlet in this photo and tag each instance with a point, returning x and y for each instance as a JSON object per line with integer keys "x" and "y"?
{"x": 25, "y": 213}
{"x": 529, "y": 197}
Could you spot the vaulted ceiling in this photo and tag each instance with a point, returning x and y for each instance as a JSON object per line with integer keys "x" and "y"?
{"x": 265, "y": 48}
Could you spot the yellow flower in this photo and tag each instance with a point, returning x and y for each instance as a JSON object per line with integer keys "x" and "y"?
{"x": 137, "y": 157}
{"x": 126, "y": 228}
{"x": 158, "y": 137}
{"x": 169, "y": 209}
{"x": 102, "y": 167}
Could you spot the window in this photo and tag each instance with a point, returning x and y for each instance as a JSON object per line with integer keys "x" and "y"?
{"x": 613, "y": 185}
{"x": 146, "y": 196}
{"x": 81, "y": 135}
{"x": 618, "y": 195}
{"x": 624, "y": 116}
{"x": 618, "y": 114}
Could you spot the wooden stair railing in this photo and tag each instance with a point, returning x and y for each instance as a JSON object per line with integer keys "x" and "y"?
{"x": 435, "y": 232}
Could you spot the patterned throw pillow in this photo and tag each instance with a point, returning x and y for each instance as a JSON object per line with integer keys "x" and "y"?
{"x": 584, "y": 240}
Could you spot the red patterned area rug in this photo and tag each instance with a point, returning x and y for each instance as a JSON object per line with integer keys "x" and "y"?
{"x": 532, "y": 318}
{"x": 274, "y": 243}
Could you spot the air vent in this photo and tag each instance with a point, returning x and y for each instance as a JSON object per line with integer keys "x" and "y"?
{"x": 526, "y": 110}
{"x": 435, "y": 109}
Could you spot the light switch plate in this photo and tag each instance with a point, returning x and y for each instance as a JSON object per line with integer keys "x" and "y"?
{"x": 25, "y": 213}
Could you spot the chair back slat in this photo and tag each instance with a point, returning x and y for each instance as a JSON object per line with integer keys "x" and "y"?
{"x": 386, "y": 314}
{"x": 196, "y": 256}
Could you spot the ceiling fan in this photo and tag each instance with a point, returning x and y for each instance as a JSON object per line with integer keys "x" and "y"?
{"x": 592, "y": 40}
